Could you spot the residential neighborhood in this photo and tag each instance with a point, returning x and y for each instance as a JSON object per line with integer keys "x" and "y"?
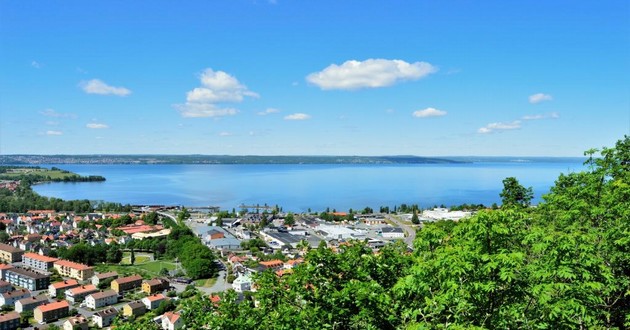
{"x": 75, "y": 295}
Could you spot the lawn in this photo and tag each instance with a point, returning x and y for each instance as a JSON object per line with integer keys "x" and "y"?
{"x": 206, "y": 283}
{"x": 148, "y": 269}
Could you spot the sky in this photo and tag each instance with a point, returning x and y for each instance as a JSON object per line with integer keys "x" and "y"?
{"x": 245, "y": 77}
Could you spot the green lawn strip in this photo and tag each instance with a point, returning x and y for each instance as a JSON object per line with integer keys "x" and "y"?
{"x": 206, "y": 282}
{"x": 147, "y": 270}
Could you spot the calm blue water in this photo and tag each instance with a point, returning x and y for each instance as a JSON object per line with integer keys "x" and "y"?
{"x": 300, "y": 187}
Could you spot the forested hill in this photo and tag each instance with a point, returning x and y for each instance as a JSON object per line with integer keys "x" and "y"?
{"x": 217, "y": 159}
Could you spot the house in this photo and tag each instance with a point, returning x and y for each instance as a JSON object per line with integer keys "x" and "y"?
{"x": 171, "y": 321}
{"x": 5, "y": 287}
{"x": 10, "y": 254}
{"x": 155, "y": 285}
{"x": 9, "y": 298}
{"x": 29, "y": 303}
{"x": 9, "y": 321}
{"x": 75, "y": 270}
{"x": 293, "y": 262}
{"x": 272, "y": 264}
{"x": 154, "y": 301}
{"x": 60, "y": 287}
{"x": 79, "y": 293}
{"x": 100, "y": 299}
{"x": 98, "y": 278}
{"x": 126, "y": 283}
{"x": 76, "y": 323}
{"x": 242, "y": 283}
{"x": 105, "y": 317}
{"x": 38, "y": 262}
{"x": 27, "y": 279}
{"x": 134, "y": 308}
{"x": 392, "y": 232}
{"x": 51, "y": 312}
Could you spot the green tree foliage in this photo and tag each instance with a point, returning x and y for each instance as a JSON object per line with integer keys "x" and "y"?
{"x": 289, "y": 219}
{"x": 414, "y": 218}
{"x": 514, "y": 194}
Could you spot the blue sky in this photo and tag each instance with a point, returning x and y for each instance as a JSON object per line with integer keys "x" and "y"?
{"x": 428, "y": 78}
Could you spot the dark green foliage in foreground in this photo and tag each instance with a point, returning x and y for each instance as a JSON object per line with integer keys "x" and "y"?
{"x": 562, "y": 265}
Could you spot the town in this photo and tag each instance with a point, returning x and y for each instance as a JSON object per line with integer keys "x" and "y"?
{"x": 41, "y": 290}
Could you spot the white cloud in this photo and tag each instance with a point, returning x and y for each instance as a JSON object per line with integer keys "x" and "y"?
{"x": 371, "y": 73}
{"x": 552, "y": 115}
{"x": 428, "y": 112}
{"x": 55, "y": 114}
{"x": 498, "y": 127}
{"x": 216, "y": 87}
{"x": 36, "y": 64}
{"x": 200, "y": 110}
{"x": 268, "y": 111}
{"x": 96, "y": 126}
{"x": 54, "y": 132}
{"x": 297, "y": 116}
{"x": 225, "y": 134}
{"x": 539, "y": 97}
{"x": 390, "y": 110}
{"x": 96, "y": 86}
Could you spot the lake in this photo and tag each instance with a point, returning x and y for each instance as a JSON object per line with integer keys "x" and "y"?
{"x": 300, "y": 187}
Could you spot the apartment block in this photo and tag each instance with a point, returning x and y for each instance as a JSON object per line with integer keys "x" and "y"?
{"x": 51, "y": 312}
{"x": 74, "y": 270}
{"x": 38, "y": 262}
{"x": 27, "y": 279}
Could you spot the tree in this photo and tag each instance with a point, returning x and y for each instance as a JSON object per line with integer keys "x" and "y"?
{"x": 514, "y": 194}
{"x": 414, "y": 218}
{"x": 289, "y": 219}
{"x": 4, "y": 237}
{"x": 114, "y": 254}
{"x": 132, "y": 257}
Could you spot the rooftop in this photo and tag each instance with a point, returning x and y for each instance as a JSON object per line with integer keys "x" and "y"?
{"x": 53, "y": 306}
{"x": 128, "y": 279}
{"x": 103, "y": 294}
{"x": 70, "y": 264}
{"x": 38, "y": 257}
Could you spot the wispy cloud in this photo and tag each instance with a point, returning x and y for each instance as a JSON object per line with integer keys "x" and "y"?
{"x": 54, "y": 133}
{"x": 499, "y": 127}
{"x": 201, "y": 110}
{"x": 268, "y": 111}
{"x": 96, "y": 86}
{"x": 36, "y": 64}
{"x": 539, "y": 97}
{"x": 297, "y": 116}
{"x": 55, "y": 114}
{"x": 552, "y": 115}
{"x": 96, "y": 126}
{"x": 225, "y": 134}
{"x": 428, "y": 112}
{"x": 217, "y": 87}
{"x": 371, "y": 73}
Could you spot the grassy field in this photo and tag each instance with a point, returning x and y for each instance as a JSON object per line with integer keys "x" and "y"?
{"x": 140, "y": 259}
{"x": 143, "y": 266}
{"x": 206, "y": 283}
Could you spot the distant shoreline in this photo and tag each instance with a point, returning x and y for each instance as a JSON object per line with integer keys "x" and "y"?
{"x": 259, "y": 160}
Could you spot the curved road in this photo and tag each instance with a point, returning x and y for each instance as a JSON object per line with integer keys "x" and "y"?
{"x": 409, "y": 230}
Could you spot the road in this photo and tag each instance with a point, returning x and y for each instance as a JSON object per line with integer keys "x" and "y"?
{"x": 409, "y": 230}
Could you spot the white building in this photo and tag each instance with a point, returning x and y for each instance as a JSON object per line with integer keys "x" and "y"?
{"x": 242, "y": 283}
{"x": 105, "y": 317}
{"x": 392, "y": 232}
{"x": 171, "y": 321}
{"x": 100, "y": 299}
{"x": 443, "y": 213}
